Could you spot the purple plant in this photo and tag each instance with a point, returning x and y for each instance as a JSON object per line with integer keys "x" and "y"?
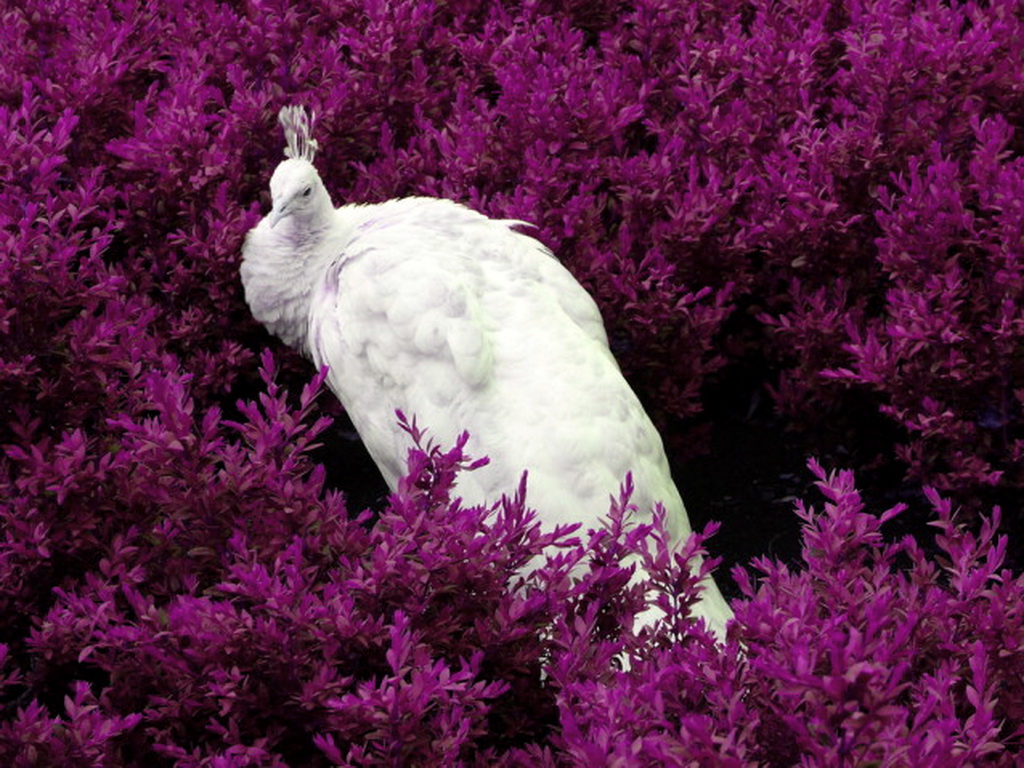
{"x": 827, "y": 194}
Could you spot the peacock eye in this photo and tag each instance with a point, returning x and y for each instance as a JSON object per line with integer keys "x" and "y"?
{"x": 307, "y": 191}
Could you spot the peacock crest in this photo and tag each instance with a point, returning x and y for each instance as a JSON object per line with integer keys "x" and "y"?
{"x": 298, "y": 132}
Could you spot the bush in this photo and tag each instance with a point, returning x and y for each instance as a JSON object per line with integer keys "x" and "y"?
{"x": 829, "y": 194}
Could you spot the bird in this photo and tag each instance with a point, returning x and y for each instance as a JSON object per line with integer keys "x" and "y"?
{"x": 424, "y": 306}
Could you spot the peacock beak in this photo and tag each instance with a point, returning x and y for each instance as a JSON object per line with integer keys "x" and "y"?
{"x": 276, "y": 214}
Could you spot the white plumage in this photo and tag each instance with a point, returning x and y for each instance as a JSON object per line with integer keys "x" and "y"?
{"x": 426, "y": 306}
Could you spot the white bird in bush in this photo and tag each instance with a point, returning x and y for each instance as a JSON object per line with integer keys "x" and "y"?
{"x": 426, "y": 306}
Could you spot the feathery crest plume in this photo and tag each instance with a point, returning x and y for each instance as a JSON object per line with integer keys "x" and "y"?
{"x": 298, "y": 132}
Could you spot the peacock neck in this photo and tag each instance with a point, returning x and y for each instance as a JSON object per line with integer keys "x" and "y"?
{"x": 279, "y": 272}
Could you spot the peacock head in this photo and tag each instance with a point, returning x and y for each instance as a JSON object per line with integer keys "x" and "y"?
{"x": 296, "y": 190}
{"x": 295, "y": 187}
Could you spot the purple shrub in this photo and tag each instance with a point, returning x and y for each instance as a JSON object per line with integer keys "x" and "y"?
{"x": 942, "y": 352}
{"x": 886, "y": 656}
{"x": 922, "y": 105}
{"x": 827, "y": 194}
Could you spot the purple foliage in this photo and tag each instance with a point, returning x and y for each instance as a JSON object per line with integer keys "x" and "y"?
{"x": 834, "y": 191}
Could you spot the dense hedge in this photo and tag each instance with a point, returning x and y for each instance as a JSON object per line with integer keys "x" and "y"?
{"x": 832, "y": 193}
